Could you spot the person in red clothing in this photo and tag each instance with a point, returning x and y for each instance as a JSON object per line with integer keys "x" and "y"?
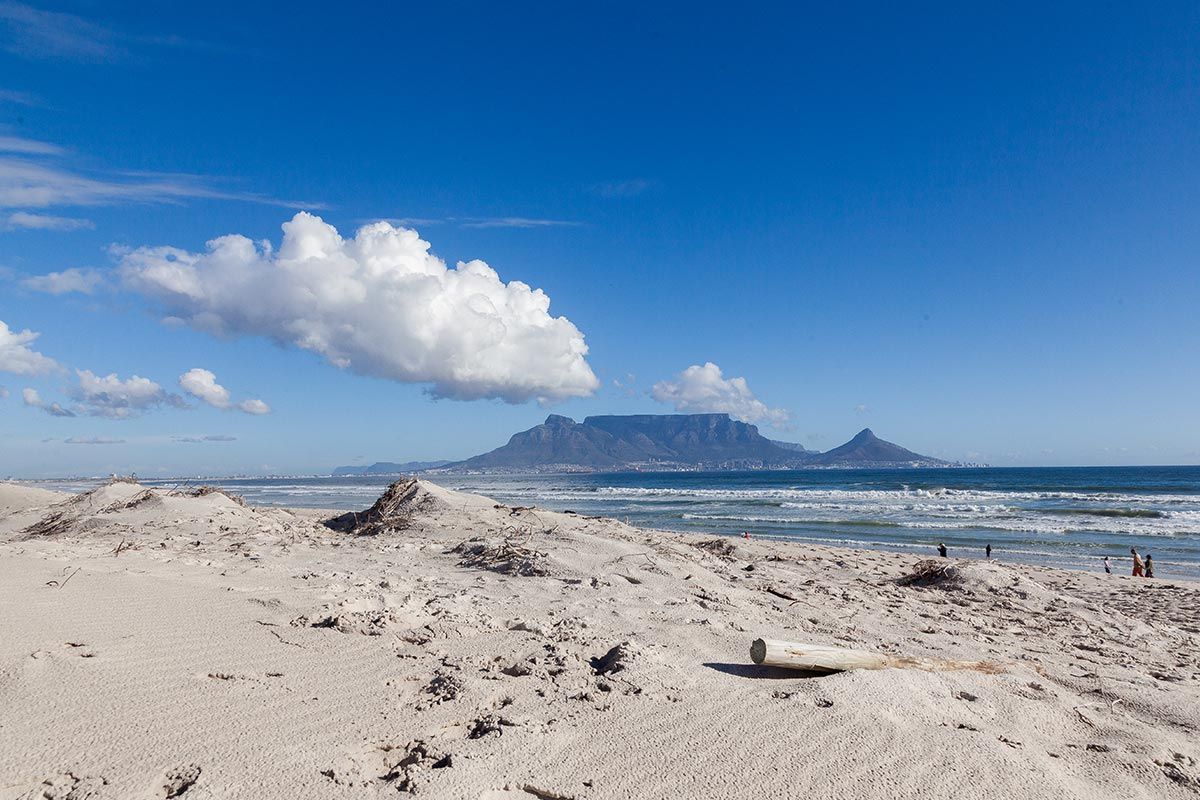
{"x": 1139, "y": 569}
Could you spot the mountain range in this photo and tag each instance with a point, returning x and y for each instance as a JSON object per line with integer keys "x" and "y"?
{"x": 664, "y": 442}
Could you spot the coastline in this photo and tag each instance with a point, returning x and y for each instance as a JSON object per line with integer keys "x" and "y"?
{"x": 479, "y": 650}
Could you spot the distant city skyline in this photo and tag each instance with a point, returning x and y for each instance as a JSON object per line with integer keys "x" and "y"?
{"x": 316, "y": 238}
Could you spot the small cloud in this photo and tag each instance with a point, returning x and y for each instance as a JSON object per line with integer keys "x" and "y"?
{"x": 32, "y": 147}
{"x": 627, "y": 385}
{"x": 254, "y": 407}
{"x": 202, "y": 439}
{"x": 202, "y": 384}
{"x": 629, "y": 188}
{"x": 704, "y": 389}
{"x": 478, "y": 222}
{"x": 34, "y": 33}
{"x": 92, "y": 440}
{"x": 513, "y": 222}
{"x": 33, "y": 176}
{"x": 17, "y": 98}
{"x": 407, "y": 222}
{"x": 83, "y": 281}
{"x": 111, "y": 397}
{"x": 17, "y": 356}
{"x": 22, "y": 220}
{"x": 32, "y": 399}
{"x": 3, "y": 392}
{"x": 861, "y": 409}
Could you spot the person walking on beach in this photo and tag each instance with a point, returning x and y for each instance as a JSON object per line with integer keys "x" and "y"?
{"x": 941, "y": 549}
{"x": 988, "y": 552}
{"x": 1107, "y": 568}
{"x": 1149, "y": 566}
{"x": 1138, "y": 568}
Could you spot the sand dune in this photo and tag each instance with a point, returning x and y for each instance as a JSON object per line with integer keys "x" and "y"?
{"x": 165, "y": 644}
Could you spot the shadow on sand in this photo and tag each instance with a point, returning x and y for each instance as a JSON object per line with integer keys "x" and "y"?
{"x": 760, "y": 672}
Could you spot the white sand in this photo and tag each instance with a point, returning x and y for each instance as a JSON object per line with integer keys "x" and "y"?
{"x": 158, "y": 645}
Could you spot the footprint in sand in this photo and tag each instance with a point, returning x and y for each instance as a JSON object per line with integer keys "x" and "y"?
{"x": 67, "y": 786}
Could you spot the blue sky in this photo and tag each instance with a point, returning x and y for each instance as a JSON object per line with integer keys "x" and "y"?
{"x": 973, "y": 230}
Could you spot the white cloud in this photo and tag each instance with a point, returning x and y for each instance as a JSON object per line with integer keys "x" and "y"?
{"x": 17, "y": 98}
{"x": 16, "y": 144}
{"x": 28, "y": 184}
{"x": 202, "y": 384}
{"x": 17, "y": 356}
{"x": 703, "y": 389}
{"x": 203, "y": 439}
{"x": 111, "y": 397}
{"x": 32, "y": 399}
{"x": 32, "y": 175}
{"x": 3, "y": 392}
{"x": 92, "y": 440}
{"x": 480, "y": 222}
{"x": 254, "y": 407}
{"x": 515, "y": 222}
{"x": 35, "y": 33}
{"x": 83, "y": 281}
{"x": 23, "y": 220}
{"x": 379, "y": 304}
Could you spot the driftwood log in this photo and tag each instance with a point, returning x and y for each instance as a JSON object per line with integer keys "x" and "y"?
{"x": 822, "y": 658}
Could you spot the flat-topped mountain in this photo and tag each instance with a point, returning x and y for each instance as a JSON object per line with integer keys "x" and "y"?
{"x": 673, "y": 441}
{"x": 640, "y": 440}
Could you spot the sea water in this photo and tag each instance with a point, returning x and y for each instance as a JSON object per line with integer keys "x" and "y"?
{"x": 1068, "y": 517}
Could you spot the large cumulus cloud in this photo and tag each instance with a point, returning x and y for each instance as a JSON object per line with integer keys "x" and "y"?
{"x": 379, "y": 304}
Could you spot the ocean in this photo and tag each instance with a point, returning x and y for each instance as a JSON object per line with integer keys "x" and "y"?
{"x": 1060, "y": 516}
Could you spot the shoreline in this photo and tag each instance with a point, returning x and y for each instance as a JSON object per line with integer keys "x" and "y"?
{"x": 962, "y": 515}
{"x": 465, "y": 648}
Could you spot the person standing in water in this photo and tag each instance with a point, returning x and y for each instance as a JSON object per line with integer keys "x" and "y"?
{"x": 988, "y": 552}
{"x": 1107, "y": 568}
{"x": 942, "y": 549}
{"x": 1138, "y": 568}
{"x": 1149, "y": 566}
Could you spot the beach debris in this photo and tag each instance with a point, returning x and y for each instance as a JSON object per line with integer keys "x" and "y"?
{"x": 57, "y": 584}
{"x": 718, "y": 547}
{"x": 505, "y": 556}
{"x": 487, "y": 725}
{"x": 822, "y": 658}
{"x": 52, "y": 524}
{"x": 391, "y": 512}
{"x": 781, "y": 594}
{"x": 204, "y": 491}
{"x": 974, "y": 578}
{"x": 180, "y": 779}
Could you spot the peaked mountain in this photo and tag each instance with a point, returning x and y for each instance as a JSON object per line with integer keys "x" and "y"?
{"x": 867, "y": 449}
{"x": 673, "y": 441}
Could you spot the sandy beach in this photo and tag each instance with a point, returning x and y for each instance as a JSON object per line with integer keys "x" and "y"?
{"x": 157, "y": 643}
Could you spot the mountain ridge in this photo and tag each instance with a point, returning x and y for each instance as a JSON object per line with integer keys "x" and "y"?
{"x": 676, "y": 441}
